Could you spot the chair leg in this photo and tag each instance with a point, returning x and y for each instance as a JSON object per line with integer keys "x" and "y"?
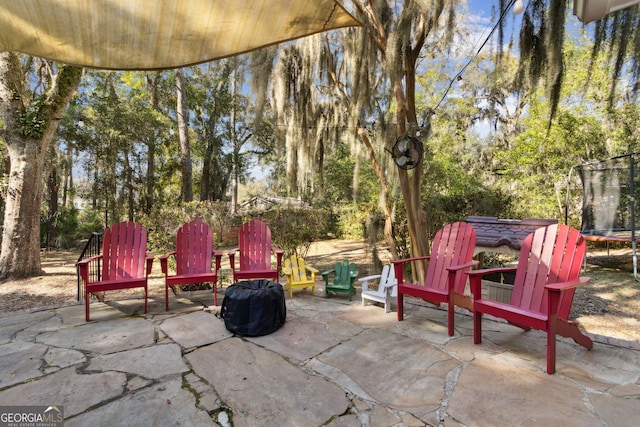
{"x": 146, "y": 295}
{"x": 570, "y": 329}
{"x": 400, "y": 307}
{"x": 551, "y": 347}
{"x": 215, "y": 294}
{"x": 450, "y": 318}
{"x": 477, "y": 327}
{"x": 166, "y": 297}
{"x": 86, "y": 304}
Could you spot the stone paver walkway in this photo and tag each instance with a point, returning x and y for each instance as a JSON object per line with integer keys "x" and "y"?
{"x": 334, "y": 363}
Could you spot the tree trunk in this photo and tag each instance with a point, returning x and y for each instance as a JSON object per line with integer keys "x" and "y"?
{"x": 411, "y": 186}
{"x": 152, "y": 82}
{"x": 27, "y": 144}
{"x": 384, "y": 193}
{"x": 183, "y": 132}
{"x": 20, "y": 254}
{"x": 67, "y": 178}
{"x": 52, "y": 194}
{"x": 128, "y": 187}
{"x": 207, "y": 187}
{"x": 235, "y": 149}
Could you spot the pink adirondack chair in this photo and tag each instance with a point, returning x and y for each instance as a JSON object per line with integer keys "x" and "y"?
{"x": 194, "y": 256}
{"x": 546, "y": 277}
{"x": 124, "y": 259}
{"x": 451, "y": 255}
{"x": 255, "y": 250}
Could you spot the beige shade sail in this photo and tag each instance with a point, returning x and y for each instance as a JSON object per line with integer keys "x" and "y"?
{"x": 158, "y": 34}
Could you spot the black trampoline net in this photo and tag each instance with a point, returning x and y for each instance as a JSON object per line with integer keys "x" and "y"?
{"x": 609, "y": 196}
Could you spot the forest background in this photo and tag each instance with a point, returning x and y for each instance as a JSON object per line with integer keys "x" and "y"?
{"x": 314, "y": 120}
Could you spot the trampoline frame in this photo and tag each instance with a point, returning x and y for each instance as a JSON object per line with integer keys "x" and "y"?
{"x": 597, "y": 235}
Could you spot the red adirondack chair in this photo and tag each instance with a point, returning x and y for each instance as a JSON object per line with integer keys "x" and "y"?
{"x": 451, "y": 255}
{"x": 255, "y": 250}
{"x": 124, "y": 259}
{"x": 194, "y": 258}
{"x": 546, "y": 277}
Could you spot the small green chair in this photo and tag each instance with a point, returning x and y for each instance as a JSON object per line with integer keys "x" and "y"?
{"x": 344, "y": 276}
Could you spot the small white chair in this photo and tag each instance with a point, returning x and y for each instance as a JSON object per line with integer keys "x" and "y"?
{"x": 387, "y": 288}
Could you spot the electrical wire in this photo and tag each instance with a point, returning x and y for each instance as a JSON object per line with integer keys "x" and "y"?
{"x": 458, "y": 76}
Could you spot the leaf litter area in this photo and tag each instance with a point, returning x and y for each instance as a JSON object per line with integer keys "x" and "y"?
{"x": 608, "y": 306}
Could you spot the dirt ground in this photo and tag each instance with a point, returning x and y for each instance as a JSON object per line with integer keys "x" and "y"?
{"x": 608, "y": 306}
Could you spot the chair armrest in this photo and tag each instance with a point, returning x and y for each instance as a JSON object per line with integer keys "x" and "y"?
{"x": 232, "y": 254}
{"x": 149, "y": 259}
{"x": 391, "y": 283}
{"x": 83, "y": 267}
{"x": 312, "y": 270}
{"x": 86, "y": 261}
{"x": 286, "y": 271}
{"x": 325, "y": 276}
{"x": 466, "y": 265}
{"x": 475, "y": 278}
{"x": 563, "y": 286}
{"x": 164, "y": 266}
{"x": 554, "y": 293}
{"x": 166, "y": 256}
{"x": 279, "y": 253}
{"x": 369, "y": 278}
{"x": 398, "y": 265}
{"x": 218, "y": 259}
{"x": 365, "y": 281}
{"x": 405, "y": 260}
{"x": 388, "y": 289}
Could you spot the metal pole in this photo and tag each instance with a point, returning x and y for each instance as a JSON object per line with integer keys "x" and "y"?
{"x": 566, "y": 197}
{"x": 632, "y": 167}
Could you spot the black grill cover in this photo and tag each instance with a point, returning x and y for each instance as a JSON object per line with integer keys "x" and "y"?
{"x": 254, "y": 307}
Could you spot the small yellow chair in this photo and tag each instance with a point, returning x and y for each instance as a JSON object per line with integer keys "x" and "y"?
{"x": 296, "y": 271}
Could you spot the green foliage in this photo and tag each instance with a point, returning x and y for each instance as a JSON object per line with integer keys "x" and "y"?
{"x": 453, "y": 193}
{"x": 62, "y": 231}
{"x": 401, "y": 230}
{"x": 339, "y": 174}
{"x": 351, "y": 221}
{"x": 31, "y": 122}
{"x": 89, "y": 221}
{"x": 164, "y": 221}
{"x": 294, "y": 230}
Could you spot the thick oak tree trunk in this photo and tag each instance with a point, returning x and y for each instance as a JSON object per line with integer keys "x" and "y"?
{"x": 183, "y": 132}
{"x": 20, "y": 253}
{"x": 27, "y": 143}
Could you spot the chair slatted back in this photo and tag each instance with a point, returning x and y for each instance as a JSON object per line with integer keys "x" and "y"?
{"x": 452, "y": 245}
{"x": 254, "y": 243}
{"x": 194, "y": 248}
{"x": 124, "y": 247}
{"x": 342, "y": 276}
{"x": 299, "y": 269}
{"x": 388, "y": 280}
{"x": 548, "y": 255}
